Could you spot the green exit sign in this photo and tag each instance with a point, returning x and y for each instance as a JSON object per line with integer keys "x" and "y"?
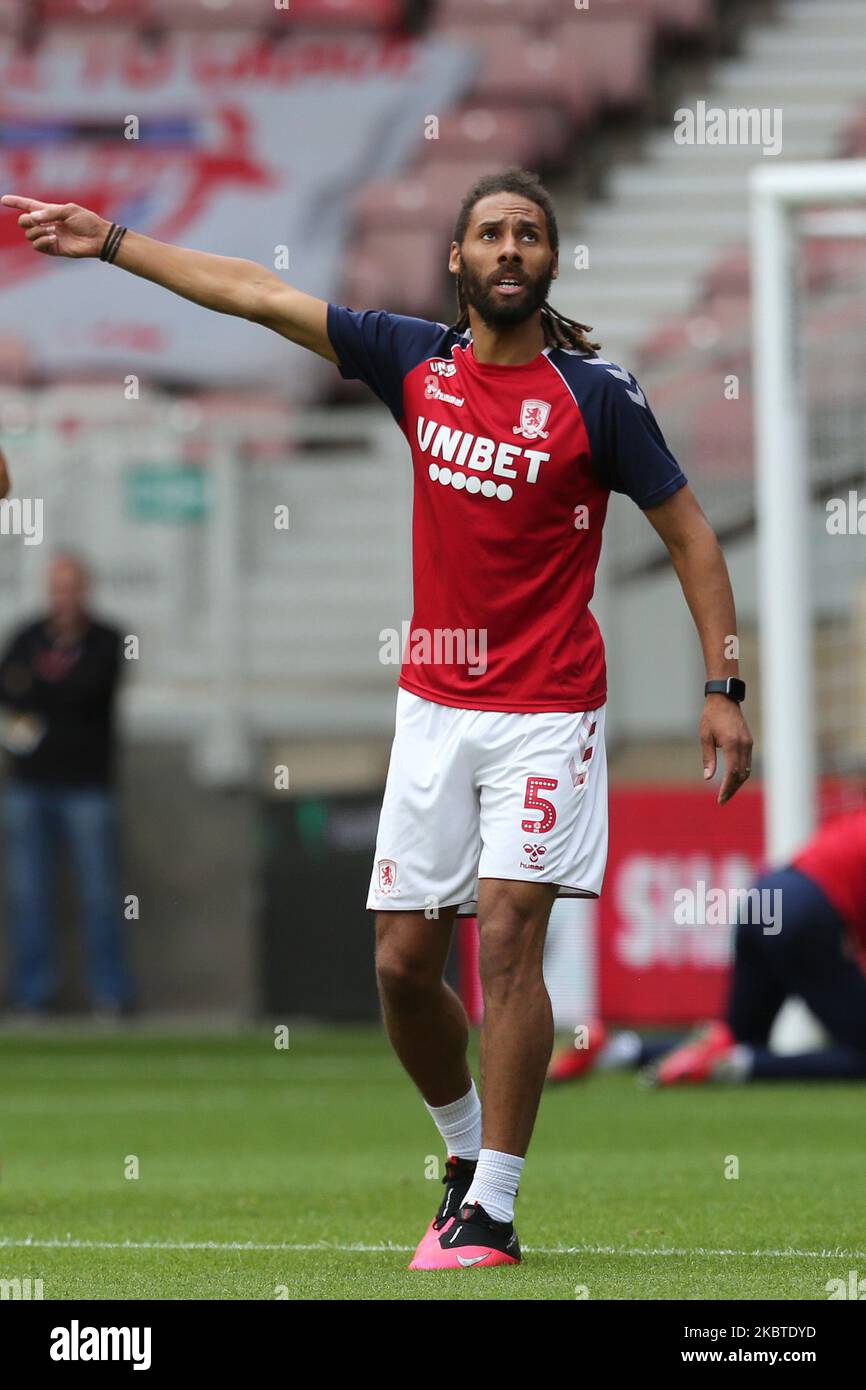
{"x": 166, "y": 492}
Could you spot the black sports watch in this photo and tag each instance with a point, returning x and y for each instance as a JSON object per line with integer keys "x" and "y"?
{"x": 733, "y": 687}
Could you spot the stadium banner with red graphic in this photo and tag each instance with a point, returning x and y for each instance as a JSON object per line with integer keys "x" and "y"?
{"x": 222, "y": 142}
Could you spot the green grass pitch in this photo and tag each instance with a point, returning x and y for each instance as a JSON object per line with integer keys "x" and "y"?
{"x": 300, "y": 1173}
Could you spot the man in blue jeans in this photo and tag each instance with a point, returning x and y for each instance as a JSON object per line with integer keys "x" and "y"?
{"x": 58, "y": 683}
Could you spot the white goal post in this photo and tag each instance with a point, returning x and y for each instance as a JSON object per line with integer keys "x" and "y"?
{"x": 779, "y": 196}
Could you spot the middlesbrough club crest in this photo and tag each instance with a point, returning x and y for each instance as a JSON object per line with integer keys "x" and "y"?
{"x": 387, "y": 876}
{"x": 533, "y": 418}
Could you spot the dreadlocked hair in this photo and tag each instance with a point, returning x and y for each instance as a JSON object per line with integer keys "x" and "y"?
{"x": 559, "y": 331}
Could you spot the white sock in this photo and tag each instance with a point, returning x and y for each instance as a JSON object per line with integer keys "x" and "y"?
{"x": 495, "y": 1184}
{"x": 460, "y": 1124}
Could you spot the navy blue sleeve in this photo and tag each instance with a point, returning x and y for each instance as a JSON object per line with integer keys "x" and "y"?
{"x": 380, "y": 349}
{"x": 633, "y": 456}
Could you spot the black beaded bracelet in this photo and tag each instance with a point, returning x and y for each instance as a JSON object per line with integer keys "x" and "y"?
{"x": 112, "y": 242}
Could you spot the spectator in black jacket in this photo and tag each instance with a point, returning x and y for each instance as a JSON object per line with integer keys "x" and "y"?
{"x": 58, "y": 682}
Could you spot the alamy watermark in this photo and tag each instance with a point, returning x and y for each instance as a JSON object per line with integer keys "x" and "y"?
{"x": 744, "y": 125}
{"x": 721, "y": 907}
{"x": 22, "y": 516}
{"x": 439, "y": 646}
{"x": 21, "y": 1288}
{"x": 846, "y": 516}
{"x": 77, "y": 1343}
{"x": 853, "y": 1287}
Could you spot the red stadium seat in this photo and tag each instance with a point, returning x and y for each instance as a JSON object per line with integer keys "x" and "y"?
{"x": 846, "y": 318}
{"x": 516, "y": 135}
{"x": 197, "y": 14}
{"x": 828, "y": 262}
{"x": 683, "y": 18}
{"x": 705, "y": 326}
{"x": 327, "y": 16}
{"x": 126, "y": 12}
{"x": 729, "y": 276}
{"x": 616, "y": 49}
{"x": 689, "y": 18}
{"x": 854, "y": 138}
{"x": 428, "y": 200}
{"x": 12, "y": 15}
{"x": 401, "y": 271}
{"x": 514, "y": 71}
{"x": 372, "y": 15}
{"x": 834, "y": 262}
{"x": 532, "y": 13}
{"x": 720, "y": 437}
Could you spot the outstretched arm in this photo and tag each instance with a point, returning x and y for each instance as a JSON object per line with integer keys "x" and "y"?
{"x": 700, "y": 565}
{"x": 227, "y": 284}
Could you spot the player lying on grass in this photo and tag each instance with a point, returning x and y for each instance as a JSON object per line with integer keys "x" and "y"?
{"x": 496, "y": 797}
{"x": 818, "y": 955}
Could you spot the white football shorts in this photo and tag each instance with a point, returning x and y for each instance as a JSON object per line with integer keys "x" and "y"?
{"x": 480, "y": 794}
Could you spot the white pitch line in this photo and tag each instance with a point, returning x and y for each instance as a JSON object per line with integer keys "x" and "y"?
{"x": 9, "y": 1242}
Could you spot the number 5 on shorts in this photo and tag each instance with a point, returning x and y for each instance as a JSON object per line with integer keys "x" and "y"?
{"x": 534, "y": 802}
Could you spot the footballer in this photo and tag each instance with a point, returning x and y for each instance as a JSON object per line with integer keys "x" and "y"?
{"x": 496, "y": 794}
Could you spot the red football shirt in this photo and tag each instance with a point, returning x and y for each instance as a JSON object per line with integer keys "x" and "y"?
{"x": 513, "y": 467}
{"x": 835, "y": 859}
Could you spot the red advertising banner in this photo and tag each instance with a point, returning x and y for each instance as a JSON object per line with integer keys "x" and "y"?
{"x": 665, "y": 912}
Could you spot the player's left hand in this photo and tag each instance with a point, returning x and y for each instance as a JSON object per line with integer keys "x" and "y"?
{"x": 723, "y": 726}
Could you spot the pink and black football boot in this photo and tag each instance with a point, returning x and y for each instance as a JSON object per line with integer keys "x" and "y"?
{"x": 459, "y": 1173}
{"x": 472, "y": 1240}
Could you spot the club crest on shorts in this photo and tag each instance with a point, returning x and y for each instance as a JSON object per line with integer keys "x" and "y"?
{"x": 533, "y": 418}
{"x": 387, "y": 876}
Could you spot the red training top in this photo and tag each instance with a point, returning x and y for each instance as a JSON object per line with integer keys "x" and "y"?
{"x": 835, "y": 859}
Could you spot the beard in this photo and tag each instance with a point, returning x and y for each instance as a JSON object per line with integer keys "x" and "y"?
{"x": 503, "y": 313}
